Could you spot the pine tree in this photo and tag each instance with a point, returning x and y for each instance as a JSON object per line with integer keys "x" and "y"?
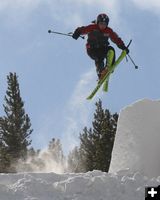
{"x": 76, "y": 161}
{"x": 73, "y": 160}
{"x": 15, "y": 126}
{"x": 4, "y": 158}
{"x": 97, "y": 143}
{"x": 104, "y": 129}
{"x": 87, "y": 149}
{"x": 55, "y": 149}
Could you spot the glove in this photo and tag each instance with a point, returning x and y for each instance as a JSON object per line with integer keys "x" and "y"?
{"x": 76, "y": 34}
{"x": 123, "y": 47}
{"x": 127, "y": 50}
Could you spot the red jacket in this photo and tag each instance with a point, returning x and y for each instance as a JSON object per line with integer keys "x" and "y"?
{"x": 108, "y": 32}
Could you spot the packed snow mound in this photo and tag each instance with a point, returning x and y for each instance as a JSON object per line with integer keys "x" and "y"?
{"x": 137, "y": 142}
{"x": 94, "y": 185}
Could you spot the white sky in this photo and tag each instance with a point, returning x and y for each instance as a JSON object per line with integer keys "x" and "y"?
{"x": 55, "y": 73}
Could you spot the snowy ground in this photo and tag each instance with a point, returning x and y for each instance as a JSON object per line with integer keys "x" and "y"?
{"x": 137, "y": 137}
{"x": 94, "y": 185}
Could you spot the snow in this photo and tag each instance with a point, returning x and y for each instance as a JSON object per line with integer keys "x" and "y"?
{"x": 137, "y": 142}
{"x": 93, "y": 185}
{"x": 138, "y": 127}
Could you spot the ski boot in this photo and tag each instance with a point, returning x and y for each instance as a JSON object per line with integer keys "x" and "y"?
{"x": 103, "y": 73}
{"x": 99, "y": 67}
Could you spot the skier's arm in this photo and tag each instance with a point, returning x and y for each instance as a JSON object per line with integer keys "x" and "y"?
{"x": 117, "y": 40}
{"x": 83, "y": 30}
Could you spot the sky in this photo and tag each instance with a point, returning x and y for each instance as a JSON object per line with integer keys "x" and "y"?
{"x": 56, "y": 75}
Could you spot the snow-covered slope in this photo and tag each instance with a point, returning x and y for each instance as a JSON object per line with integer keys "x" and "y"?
{"x": 136, "y": 147}
{"x": 137, "y": 143}
{"x": 94, "y": 185}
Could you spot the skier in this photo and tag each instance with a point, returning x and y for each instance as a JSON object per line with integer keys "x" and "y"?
{"x": 97, "y": 46}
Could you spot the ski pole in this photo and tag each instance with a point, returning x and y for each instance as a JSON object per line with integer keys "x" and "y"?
{"x": 65, "y": 34}
{"x": 129, "y": 43}
{"x": 127, "y": 47}
{"x": 136, "y": 67}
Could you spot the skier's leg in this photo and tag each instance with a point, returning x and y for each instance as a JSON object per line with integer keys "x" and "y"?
{"x": 94, "y": 54}
{"x": 110, "y": 57}
{"x": 99, "y": 63}
{"x": 108, "y": 53}
{"x": 101, "y": 53}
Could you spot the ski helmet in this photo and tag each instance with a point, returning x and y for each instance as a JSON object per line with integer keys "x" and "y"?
{"x": 103, "y": 18}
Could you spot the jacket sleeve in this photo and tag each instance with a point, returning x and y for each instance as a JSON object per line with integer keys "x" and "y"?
{"x": 115, "y": 38}
{"x": 86, "y": 29}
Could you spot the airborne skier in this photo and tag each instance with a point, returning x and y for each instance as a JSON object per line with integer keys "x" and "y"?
{"x": 97, "y": 46}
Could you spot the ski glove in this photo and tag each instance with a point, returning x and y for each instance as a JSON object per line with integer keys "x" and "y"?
{"x": 76, "y": 34}
{"x": 123, "y": 47}
{"x": 127, "y": 50}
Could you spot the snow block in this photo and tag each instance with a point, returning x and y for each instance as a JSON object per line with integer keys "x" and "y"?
{"x": 137, "y": 142}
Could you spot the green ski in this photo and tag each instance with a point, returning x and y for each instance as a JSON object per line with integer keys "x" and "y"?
{"x": 106, "y": 77}
{"x": 105, "y": 85}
